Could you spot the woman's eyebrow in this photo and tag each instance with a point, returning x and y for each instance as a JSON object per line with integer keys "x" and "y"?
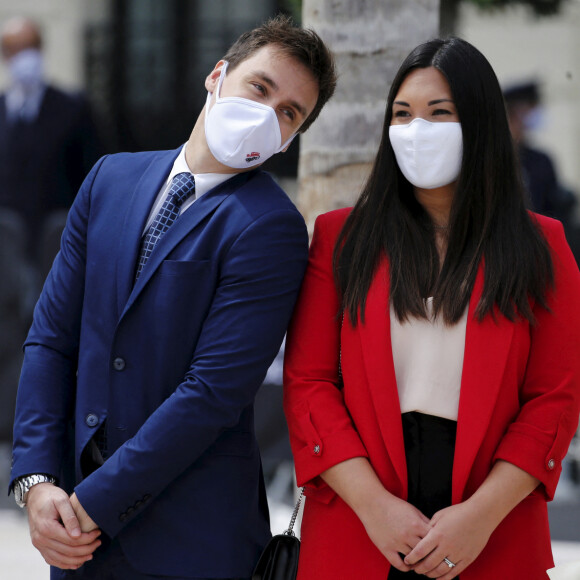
{"x": 437, "y": 101}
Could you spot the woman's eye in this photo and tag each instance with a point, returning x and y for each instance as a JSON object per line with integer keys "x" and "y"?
{"x": 441, "y": 112}
{"x": 401, "y": 113}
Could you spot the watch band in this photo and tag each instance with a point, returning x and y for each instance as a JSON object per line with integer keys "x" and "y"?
{"x": 23, "y": 484}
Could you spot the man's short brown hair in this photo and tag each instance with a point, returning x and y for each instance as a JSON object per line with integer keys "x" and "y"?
{"x": 302, "y": 44}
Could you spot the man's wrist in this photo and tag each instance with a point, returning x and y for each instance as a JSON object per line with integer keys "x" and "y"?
{"x": 22, "y": 485}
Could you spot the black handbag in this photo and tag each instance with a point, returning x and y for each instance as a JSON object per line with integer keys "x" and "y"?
{"x": 279, "y": 560}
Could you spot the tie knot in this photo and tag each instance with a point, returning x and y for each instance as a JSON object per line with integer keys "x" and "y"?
{"x": 182, "y": 186}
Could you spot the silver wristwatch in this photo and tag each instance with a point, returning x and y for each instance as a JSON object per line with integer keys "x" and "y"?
{"x": 23, "y": 484}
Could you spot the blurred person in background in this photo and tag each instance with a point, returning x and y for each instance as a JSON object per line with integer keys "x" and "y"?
{"x": 48, "y": 141}
{"x": 546, "y": 195}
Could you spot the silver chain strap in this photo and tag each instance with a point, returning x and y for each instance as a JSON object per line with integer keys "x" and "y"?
{"x": 289, "y": 531}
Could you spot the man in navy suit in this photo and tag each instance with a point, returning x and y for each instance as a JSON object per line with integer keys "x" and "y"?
{"x": 134, "y": 445}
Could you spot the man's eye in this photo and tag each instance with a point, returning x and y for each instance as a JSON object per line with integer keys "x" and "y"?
{"x": 289, "y": 113}
{"x": 260, "y": 88}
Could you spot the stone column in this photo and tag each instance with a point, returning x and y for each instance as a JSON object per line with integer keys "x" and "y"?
{"x": 370, "y": 39}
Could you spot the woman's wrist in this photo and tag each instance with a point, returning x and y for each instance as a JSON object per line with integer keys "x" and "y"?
{"x": 357, "y": 484}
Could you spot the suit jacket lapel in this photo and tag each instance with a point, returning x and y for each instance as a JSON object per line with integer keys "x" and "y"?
{"x": 139, "y": 207}
{"x": 375, "y": 336}
{"x": 206, "y": 205}
{"x": 487, "y": 346}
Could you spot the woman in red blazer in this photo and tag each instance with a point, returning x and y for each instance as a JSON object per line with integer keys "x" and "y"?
{"x": 438, "y": 268}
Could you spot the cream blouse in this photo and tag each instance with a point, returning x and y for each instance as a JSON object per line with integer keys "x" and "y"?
{"x": 428, "y": 357}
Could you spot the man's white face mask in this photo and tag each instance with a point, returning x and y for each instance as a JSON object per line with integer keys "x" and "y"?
{"x": 241, "y": 133}
{"x": 429, "y": 154}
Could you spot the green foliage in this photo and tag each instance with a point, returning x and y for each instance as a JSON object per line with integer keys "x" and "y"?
{"x": 292, "y": 7}
{"x": 540, "y": 7}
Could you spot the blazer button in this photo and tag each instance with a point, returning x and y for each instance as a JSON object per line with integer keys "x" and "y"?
{"x": 91, "y": 420}
{"x": 123, "y": 517}
{"x": 316, "y": 449}
{"x": 119, "y": 364}
{"x": 551, "y": 464}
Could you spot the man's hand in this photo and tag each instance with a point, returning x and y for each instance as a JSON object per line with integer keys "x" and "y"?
{"x": 55, "y": 529}
{"x": 85, "y": 521}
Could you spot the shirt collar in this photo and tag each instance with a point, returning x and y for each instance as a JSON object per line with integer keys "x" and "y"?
{"x": 204, "y": 182}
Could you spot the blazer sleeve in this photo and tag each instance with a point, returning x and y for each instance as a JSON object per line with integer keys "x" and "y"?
{"x": 538, "y": 440}
{"x": 322, "y": 433}
{"x": 46, "y": 391}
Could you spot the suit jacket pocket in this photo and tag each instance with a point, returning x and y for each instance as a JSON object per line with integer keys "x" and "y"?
{"x": 185, "y": 268}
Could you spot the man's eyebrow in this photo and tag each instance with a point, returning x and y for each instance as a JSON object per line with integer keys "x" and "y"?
{"x": 269, "y": 81}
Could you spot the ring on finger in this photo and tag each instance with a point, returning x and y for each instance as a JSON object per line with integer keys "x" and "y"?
{"x": 449, "y": 563}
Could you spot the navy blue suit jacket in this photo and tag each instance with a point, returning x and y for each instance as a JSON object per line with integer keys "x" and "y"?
{"x": 172, "y": 363}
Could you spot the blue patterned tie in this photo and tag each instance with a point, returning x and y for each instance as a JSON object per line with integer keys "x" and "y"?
{"x": 182, "y": 186}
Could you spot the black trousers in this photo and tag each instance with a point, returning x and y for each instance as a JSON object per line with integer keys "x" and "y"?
{"x": 429, "y": 449}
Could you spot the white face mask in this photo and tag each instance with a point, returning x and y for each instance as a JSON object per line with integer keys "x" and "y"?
{"x": 428, "y": 154}
{"x": 241, "y": 133}
{"x": 26, "y": 68}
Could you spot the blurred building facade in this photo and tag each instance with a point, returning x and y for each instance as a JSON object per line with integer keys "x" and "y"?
{"x": 523, "y": 47}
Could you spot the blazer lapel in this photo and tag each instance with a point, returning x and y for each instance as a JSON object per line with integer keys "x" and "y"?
{"x": 486, "y": 352}
{"x": 203, "y": 207}
{"x": 375, "y": 336}
{"x": 139, "y": 207}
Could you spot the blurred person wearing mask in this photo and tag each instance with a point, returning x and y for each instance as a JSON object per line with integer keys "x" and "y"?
{"x": 48, "y": 138}
{"x": 546, "y": 195}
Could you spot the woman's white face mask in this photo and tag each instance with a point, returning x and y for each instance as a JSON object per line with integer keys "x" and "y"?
{"x": 429, "y": 154}
{"x": 241, "y": 133}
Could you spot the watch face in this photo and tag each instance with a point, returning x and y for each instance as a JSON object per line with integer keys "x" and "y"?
{"x": 18, "y": 495}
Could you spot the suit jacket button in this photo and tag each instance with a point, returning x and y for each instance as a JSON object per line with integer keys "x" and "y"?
{"x": 316, "y": 449}
{"x": 91, "y": 420}
{"x": 119, "y": 364}
{"x": 551, "y": 464}
{"x": 123, "y": 517}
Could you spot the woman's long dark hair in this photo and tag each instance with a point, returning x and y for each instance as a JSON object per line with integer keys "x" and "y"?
{"x": 488, "y": 219}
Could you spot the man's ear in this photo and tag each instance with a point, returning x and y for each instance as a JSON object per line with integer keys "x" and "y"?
{"x": 212, "y": 78}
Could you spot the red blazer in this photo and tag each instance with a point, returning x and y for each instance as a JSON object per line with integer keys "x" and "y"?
{"x": 519, "y": 401}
